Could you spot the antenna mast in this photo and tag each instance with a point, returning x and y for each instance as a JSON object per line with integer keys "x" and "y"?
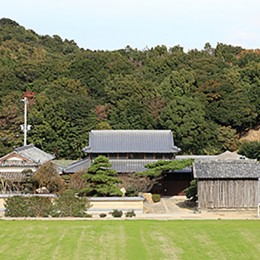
{"x": 25, "y": 128}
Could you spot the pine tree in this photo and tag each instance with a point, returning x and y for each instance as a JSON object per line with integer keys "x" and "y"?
{"x": 101, "y": 179}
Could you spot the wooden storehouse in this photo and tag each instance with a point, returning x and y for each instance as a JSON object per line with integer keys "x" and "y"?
{"x": 229, "y": 184}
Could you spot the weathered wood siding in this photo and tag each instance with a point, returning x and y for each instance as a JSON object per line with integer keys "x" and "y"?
{"x": 258, "y": 191}
{"x": 228, "y": 193}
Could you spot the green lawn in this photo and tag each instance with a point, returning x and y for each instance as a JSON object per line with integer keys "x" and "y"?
{"x": 130, "y": 239}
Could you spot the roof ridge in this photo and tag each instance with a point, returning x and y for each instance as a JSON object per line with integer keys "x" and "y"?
{"x": 132, "y": 130}
{"x": 246, "y": 161}
{"x": 22, "y": 148}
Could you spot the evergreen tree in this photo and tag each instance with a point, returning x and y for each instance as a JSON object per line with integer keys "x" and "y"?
{"x": 101, "y": 179}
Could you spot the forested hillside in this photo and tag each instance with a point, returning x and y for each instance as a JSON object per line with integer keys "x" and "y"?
{"x": 208, "y": 97}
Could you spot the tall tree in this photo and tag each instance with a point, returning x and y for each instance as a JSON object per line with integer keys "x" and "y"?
{"x": 185, "y": 116}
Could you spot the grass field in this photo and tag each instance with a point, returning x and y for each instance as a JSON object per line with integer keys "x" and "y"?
{"x": 133, "y": 239}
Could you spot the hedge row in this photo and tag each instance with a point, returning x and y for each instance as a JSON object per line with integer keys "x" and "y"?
{"x": 66, "y": 205}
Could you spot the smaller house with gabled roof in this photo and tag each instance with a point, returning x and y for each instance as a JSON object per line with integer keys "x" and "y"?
{"x": 14, "y": 165}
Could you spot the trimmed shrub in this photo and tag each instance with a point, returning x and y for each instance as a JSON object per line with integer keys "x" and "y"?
{"x": 191, "y": 191}
{"x": 156, "y": 197}
{"x": 68, "y": 205}
{"x": 16, "y": 206}
{"x": 130, "y": 214}
{"x": 102, "y": 215}
{"x": 19, "y": 206}
{"x": 117, "y": 213}
{"x": 131, "y": 192}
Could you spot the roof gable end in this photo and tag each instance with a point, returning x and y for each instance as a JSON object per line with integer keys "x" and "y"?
{"x": 14, "y": 156}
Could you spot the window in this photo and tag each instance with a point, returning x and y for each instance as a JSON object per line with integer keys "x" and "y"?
{"x": 149, "y": 156}
{"x": 122, "y": 156}
{"x": 112, "y": 156}
{"x": 139, "y": 156}
{"x": 159, "y": 156}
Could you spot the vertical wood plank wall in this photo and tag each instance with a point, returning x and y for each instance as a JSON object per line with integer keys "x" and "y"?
{"x": 258, "y": 191}
{"x": 228, "y": 193}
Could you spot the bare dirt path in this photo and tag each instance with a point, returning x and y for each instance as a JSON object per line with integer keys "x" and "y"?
{"x": 176, "y": 208}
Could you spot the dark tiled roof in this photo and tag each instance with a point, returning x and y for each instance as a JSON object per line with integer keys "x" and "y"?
{"x": 195, "y": 157}
{"x": 226, "y": 169}
{"x": 35, "y": 154}
{"x": 12, "y": 176}
{"x": 18, "y": 164}
{"x": 134, "y": 141}
{"x": 129, "y": 166}
{"x": 78, "y": 166}
{"x": 121, "y": 166}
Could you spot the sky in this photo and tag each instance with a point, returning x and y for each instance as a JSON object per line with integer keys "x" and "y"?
{"x": 141, "y": 24}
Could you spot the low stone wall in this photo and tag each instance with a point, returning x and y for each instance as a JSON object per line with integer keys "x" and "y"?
{"x": 2, "y": 202}
{"x": 98, "y": 204}
{"x": 108, "y": 204}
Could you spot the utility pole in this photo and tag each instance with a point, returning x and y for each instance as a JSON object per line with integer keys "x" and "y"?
{"x": 25, "y": 128}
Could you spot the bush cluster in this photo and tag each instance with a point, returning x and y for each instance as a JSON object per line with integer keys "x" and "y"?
{"x": 156, "y": 197}
{"x": 117, "y": 213}
{"x": 18, "y": 206}
{"x": 67, "y": 205}
{"x": 130, "y": 214}
{"x": 191, "y": 191}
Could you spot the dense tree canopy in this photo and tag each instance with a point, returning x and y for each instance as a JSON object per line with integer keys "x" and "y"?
{"x": 208, "y": 97}
{"x": 250, "y": 150}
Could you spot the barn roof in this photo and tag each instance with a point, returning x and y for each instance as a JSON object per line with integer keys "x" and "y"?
{"x": 226, "y": 169}
{"x": 134, "y": 141}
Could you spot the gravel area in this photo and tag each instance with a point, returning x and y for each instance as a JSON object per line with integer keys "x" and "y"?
{"x": 176, "y": 208}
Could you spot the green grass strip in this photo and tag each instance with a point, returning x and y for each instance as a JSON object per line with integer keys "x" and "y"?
{"x": 133, "y": 239}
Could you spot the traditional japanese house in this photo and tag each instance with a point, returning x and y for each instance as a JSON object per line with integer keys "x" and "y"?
{"x": 130, "y": 150}
{"x": 22, "y": 161}
{"x": 132, "y": 144}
